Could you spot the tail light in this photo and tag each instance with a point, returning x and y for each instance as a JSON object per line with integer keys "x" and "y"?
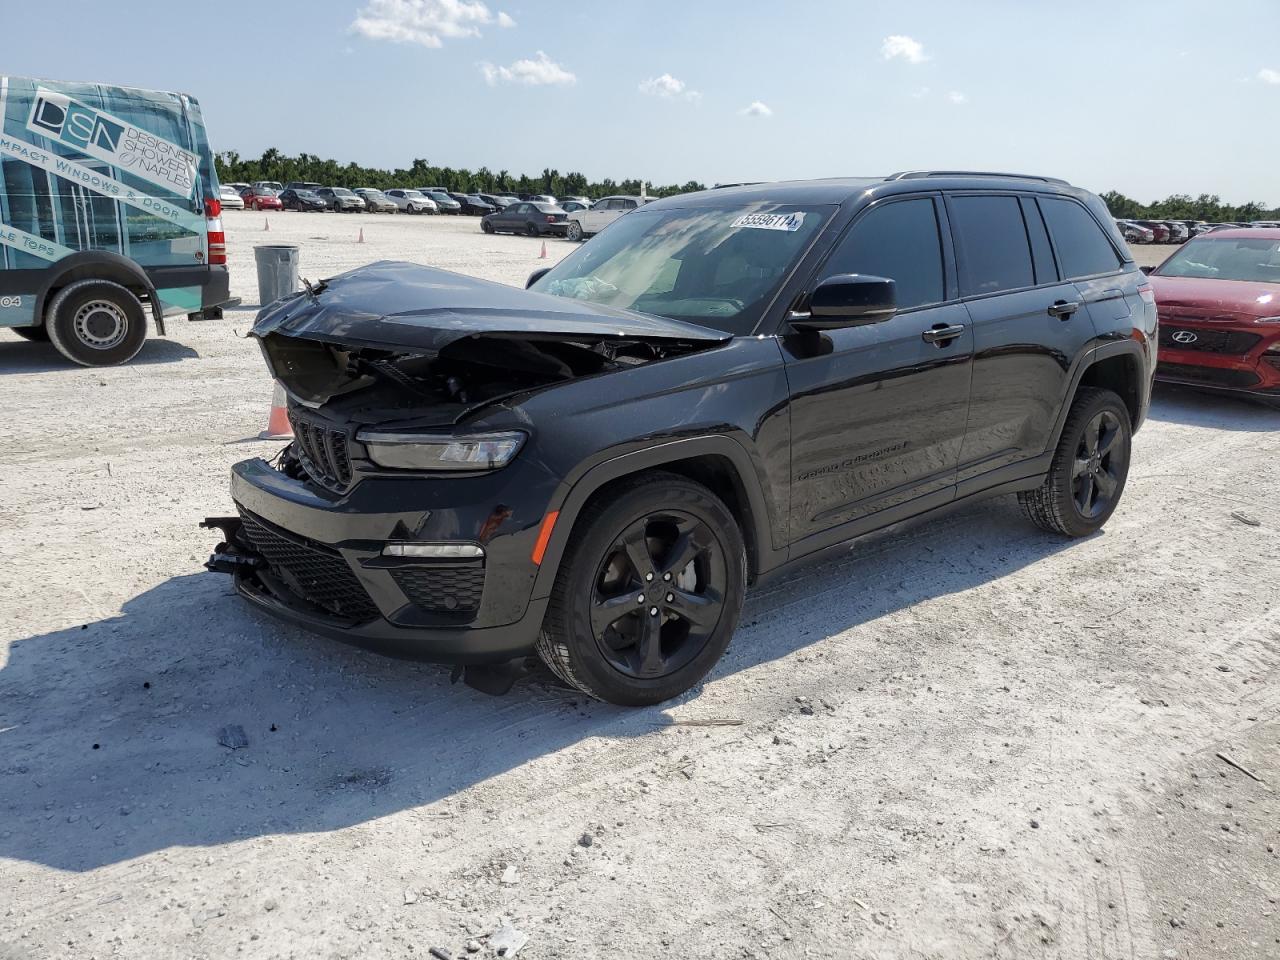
{"x": 213, "y": 227}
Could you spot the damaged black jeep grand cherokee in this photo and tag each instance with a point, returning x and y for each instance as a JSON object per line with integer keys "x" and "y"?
{"x": 717, "y": 385}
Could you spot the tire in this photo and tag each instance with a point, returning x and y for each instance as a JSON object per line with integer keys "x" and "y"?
{"x": 486, "y": 226}
{"x": 1090, "y": 466}
{"x": 96, "y": 323}
{"x": 574, "y": 231}
{"x": 531, "y": 230}
{"x": 595, "y": 639}
{"x": 38, "y": 334}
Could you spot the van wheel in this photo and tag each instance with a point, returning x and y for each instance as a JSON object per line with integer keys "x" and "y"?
{"x": 1089, "y": 468}
{"x": 96, "y": 323}
{"x": 648, "y": 593}
{"x": 34, "y": 334}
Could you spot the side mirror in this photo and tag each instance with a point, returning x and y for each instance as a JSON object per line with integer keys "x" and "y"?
{"x": 848, "y": 300}
{"x": 536, "y": 276}
{"x": 1146, "y": 271}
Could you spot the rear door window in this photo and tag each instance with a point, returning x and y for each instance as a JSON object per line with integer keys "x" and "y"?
{"x": 898, "y": 240}
{"x": 992, "y": 241}
{"x": 1083, "y": 249}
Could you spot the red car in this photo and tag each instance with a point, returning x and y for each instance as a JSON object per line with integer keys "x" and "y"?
{"x": 1218, "y": 300}
{"x": 261, "y": 198}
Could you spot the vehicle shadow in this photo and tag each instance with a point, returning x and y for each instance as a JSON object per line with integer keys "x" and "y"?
{"x": 1173, "y": 403}
{"x": 109, "y": 732}
{"x": 24, "y": 356}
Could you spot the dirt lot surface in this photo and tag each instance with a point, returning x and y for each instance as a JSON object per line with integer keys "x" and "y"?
{"x": 964, "y": 740}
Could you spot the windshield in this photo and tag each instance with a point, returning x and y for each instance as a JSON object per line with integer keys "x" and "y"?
{"x": 342, "y": 192}
{"x": 717, "y": 267}
{"x": 1226, "y": 258}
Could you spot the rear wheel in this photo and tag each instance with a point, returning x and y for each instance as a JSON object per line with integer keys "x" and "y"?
{"x": 574, "y": 231}
{"x": 648, "y": 593}
{"x": 96, "y": 323}
{"x": 1089, "y": 468}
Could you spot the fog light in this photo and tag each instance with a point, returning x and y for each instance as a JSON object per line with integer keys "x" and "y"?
{"x": 434, "y": 551}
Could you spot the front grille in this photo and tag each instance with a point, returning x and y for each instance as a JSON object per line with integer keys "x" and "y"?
{"x": 1234, "y": 342}
{"x": 315, "y": 573}
{"x": 322, "y": 451}
{"x": 1210, "y": 376}
{"x": 442, "y": 589}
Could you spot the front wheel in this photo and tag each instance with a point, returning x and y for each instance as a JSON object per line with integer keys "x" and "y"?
{"x": 1089, "y": 468}
{"x": 574, "y": 231}
{"x": 648, "y": 592}
{"x": 96, "y": 323}
{"x": 486, "y": 226}
{"x": 531, "y": 229}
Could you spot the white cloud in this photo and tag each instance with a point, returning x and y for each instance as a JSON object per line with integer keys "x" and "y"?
{"x": 899, "y": 47}
{"x": 756, "y": 109}
{"x": 425, "y": 22}
{"x": 1267, "y": 75}
{"x": 955, "y": 96}
{"x": 538, "y": 72}
{"x": 668, "y": 87}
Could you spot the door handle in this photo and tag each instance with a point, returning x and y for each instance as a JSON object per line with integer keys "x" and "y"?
{"x": 942, "y": 331}
{"x": 1063, "y": 309}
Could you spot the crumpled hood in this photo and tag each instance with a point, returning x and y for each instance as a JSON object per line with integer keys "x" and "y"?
{"x": 396, "y": 305}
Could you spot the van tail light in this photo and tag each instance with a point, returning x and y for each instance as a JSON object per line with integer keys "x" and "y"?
{"x": 213, "y": 227}
{"x": 1147, "y": 293}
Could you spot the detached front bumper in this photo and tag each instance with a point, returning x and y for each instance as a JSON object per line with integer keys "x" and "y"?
{"x": 317, "y": 561}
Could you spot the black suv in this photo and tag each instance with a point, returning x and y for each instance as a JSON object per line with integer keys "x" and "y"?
{"x": 717, "y": 385}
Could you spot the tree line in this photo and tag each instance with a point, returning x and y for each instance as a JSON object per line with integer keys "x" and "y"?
{"x": 1182, "y": 206}
{"x": 273, "y": 165}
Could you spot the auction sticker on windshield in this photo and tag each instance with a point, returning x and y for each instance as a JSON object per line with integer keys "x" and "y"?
{"x": 770, "y": 221}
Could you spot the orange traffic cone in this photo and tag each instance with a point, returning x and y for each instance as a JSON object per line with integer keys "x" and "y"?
{"x": 278, "y": 426}
{"x": 360, "y": 239}
{"x": 543, "y": 254}
{"x": 266, "y": 224}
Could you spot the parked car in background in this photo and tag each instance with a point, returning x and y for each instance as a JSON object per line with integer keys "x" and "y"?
{"x": 717, "y": 386}
{"x": 230, "y": 199}
{"x": 573, "y": 206}
{"x": 411, "y": 201}
{"x": 472, "y": 205}
{"x": 586, "y": 223}
{"x": 1178, "y": 232}
{"x": 269, "y": 184}
{"x": 261, "y": 198}
{"x": 303, "y": 185}
{"x": 530, "y": 218}
{"x": 1219, "y": 305}
{"x": 375, "y": 201}
{"x": 586, "y": 202}
{"x": 134, "y": 236}
{"x": 1265, "y": 224}
{"x": 498, "y": 201}
{"x": 1157, "y": 227}
{"x": 239, "y": 188}
{"x": 340, "y": 199}
{"x": 1135, "y": 233}
{"x": 302, "y": 200}
{"x": 543, "y": 198}
{"x": 444, "y": 203}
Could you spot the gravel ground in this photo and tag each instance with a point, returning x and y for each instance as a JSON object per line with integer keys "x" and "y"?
{"x": 969, "y": 739}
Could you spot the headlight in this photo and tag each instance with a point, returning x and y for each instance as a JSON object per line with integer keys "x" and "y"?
{"x": 435, "y": 452}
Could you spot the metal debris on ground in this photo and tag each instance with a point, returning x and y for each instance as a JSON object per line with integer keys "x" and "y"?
{"x": 233, "y": 737}
{"x": 710, "y": 722}
{"x": 440, "y": 954}
{"x": 506, "y": 940}
{"x": 1245, "y": 519}
{"x": 410, "y": 897}
{"x": 1245, "y": 770}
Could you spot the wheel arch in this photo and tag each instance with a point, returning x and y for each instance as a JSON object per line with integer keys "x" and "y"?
{"x": 718, "y": 462}
{"x": 1119, "y": 366}
{"x": 99, "y": 265}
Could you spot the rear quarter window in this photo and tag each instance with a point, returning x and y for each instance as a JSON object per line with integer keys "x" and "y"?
{"x": 1083, "y": 249}
{"x": 992, "y": 241}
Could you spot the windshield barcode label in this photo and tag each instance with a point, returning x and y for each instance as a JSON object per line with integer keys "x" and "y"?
{"x": 770, "y": 221}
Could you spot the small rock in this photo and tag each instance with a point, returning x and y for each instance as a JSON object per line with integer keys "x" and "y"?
{"x": 1222, "y": 667}
{"x": 410, "y": 897}
{"x": 507, "y": 940}
{"x": 233, "y": 737}
{"x": 510, "y": 875}
{"x": 270, "y": 905}
{"x": 586, "y": 840}
{"x": 1035, "y": 824}
{"x": 806, "y": 710}
{"x": 473, "y": 946}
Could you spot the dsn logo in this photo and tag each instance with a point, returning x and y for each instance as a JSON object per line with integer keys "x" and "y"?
{"x": 75, "y": 124}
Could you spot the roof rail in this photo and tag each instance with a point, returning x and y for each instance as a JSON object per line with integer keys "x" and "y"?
{"x": 920, "y": 174}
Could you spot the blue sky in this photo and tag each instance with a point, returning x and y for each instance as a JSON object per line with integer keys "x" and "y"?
{"x": 1148, "y": 96}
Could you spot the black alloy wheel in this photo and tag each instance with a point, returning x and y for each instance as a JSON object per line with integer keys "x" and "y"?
{"x": 658, "y": 595}
{"x": 531, "y": 229}
{"x": 1100, "y": 465}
